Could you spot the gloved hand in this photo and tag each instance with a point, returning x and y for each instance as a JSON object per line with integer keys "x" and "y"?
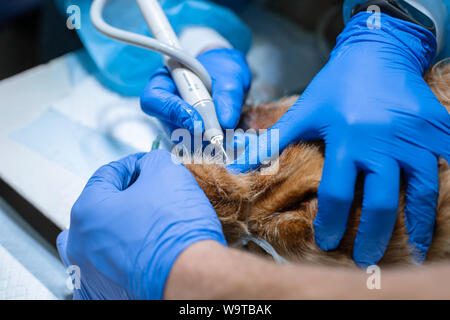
{"x": 132, "y": 220}
{"x": 376, "y": 114}
{"x": 231, "y": 78}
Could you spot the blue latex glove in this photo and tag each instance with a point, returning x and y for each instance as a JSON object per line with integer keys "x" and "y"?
{"x": 231, "y": 80}
{"x": 376, "y": 114}
{"x": 132, "y": 220}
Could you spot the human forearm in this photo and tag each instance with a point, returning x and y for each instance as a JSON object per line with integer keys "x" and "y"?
{"x": 207, "y": 270}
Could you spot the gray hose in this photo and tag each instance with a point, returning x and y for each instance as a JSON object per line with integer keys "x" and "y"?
{"x": 146, "y": 42}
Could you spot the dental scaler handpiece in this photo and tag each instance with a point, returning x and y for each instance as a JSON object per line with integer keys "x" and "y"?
{"x": 189, "y": 85}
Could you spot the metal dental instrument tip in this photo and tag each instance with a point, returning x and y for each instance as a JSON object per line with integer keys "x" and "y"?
{"x": 218, "y": 141}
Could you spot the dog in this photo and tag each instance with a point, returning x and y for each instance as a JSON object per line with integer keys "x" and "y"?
{"x": 279, "y": 209}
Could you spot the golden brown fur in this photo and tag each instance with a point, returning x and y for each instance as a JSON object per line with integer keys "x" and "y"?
{"x": 280, "y": 208}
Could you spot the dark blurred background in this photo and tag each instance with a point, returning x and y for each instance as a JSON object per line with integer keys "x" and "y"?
{"x": 32, "y": 32}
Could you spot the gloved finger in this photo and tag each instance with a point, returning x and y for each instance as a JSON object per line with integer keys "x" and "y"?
{"x": 421, "y": 199}
{"x": 161, "y": 166}
{"x": 446, "y": 143}
{"x": 258, "y": 149}
{"x": 379, "y": 212}
{"x": 240, "y": 140}
{"x": 445, "y": 153}
{"x": 61, "y": 245}
{"x": 300, "y": 122}
{"x": 231, "y": 77}
{"x": 228, "y": 98}
{"x": 235, "y": 144}
{"x": 335, "y": 197}
{"x": 438, "y": 126}
{"x": 160, "y": 99}
{"x": 159, "y": 163}
{"x": 115, "y": 176}
{"x": 228, "y": 105}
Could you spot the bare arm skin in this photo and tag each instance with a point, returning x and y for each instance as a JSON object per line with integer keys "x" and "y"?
{"x": 207, "y": 270}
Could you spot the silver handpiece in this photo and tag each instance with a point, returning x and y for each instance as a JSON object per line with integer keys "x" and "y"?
{"x": 189, "y": 85}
